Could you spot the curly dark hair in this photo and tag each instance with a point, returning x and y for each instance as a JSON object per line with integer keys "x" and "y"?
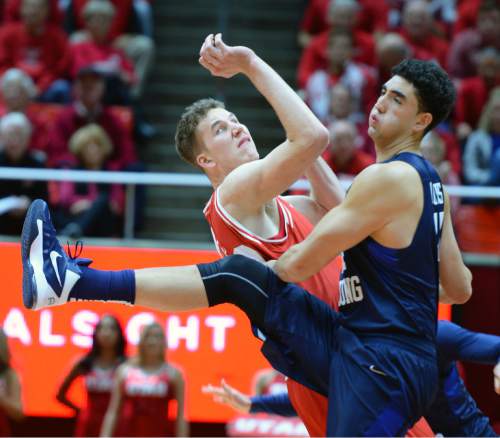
{"x": 184, "y": 135}
{"x": 434, "y": 89}
{"x": 87, "y": 361}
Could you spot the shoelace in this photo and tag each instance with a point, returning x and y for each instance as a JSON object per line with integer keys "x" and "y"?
{"x": 77, "y": 249}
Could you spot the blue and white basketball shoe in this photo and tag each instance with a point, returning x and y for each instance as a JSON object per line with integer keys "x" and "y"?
{"x": 49, "y": 274}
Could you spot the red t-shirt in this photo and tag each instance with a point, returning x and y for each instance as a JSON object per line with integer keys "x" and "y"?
{"x": 44, "y": 57}
{"x": 231, "y": 237}
{"x": 433, "y": 48}
{"x": 315, "y": 55}
{"x": 359, "y": 161}
{"x": 472, "y": 95}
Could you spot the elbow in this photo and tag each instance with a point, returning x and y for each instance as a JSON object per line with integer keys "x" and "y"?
{"x": 464, "y": 294}
{"x": 315, "y": 139}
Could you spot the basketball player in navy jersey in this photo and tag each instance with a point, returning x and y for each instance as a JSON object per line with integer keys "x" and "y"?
{"x": 375, "y": 359}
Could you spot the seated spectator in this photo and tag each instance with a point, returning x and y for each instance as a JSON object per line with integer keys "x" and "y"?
{"x": 40, "y": 49}
{"x": 434, "y": 149}
{"x": 88, "y": 90}
{"x": 342, "y": 19}
{"x": 96, "y": 50}
{"x": 343, "y": 154}
{"x": 17, "y": 91}
{"x": 360, "y": 79}
{"x": 17, "y": 195}
{"x": 462, "y": 62}
{"x": 12, "y": 12}
{"x": 89, "y": 209}
{"x": 102, "y": 20}
{"x": 391, "y": 49}
{"x": 371, "y": 17}
{"x": 418, "y": 31}
{"x": 482, "y": 151}
{"x": 473, "y": 92}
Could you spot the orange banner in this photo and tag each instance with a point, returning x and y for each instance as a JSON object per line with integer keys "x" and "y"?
{"x": 207, "y": 345}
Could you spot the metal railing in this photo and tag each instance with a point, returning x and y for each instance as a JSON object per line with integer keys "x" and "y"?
{"x": 131, "y": 179}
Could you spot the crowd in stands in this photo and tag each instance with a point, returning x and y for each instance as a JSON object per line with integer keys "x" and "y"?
{"x": 348, "y": 50}
{"x": 71, "y": 78}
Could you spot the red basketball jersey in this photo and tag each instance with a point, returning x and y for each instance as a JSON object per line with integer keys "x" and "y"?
{"x": 145, "y": 402}
{"x": 231, "y": 237}
{"x": 98, "y": 384}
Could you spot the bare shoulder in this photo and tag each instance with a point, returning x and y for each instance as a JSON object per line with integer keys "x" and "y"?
{"x": 234, "y": 188}
{"x": 392, "y": 179}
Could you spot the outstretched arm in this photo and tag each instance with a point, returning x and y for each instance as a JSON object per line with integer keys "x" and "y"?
{"x": 306, "y": 137}
{"x": 457, "y": 343}
{"x": 277, "y": 404}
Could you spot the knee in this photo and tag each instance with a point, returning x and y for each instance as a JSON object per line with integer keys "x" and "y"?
{"x": 239, "y": 264}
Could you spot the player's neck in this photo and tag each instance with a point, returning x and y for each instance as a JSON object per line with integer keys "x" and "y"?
{"x": 385, "y": 151}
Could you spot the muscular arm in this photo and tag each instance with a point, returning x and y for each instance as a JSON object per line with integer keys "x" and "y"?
{"x": 375, "y": 199}
{"x": 306, "y": 137}
{"x": 457, "y": 343}
{"x": 454, "y": 276}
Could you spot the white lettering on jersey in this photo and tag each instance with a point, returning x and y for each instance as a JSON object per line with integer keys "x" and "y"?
{"x": 436, "y": 193}
{"x": 350, "y": 290}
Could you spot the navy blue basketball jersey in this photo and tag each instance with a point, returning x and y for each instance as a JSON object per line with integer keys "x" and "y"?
{"x": 391, "y": 293}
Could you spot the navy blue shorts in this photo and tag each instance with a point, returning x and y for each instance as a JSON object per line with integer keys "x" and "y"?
{"x": 375, "y": 388}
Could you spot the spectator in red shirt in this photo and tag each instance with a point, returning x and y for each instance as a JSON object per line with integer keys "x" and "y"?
{"x": 359, "y": 78}
{"x": 12, "y": 12}
{"x": 88, "y": 108}
{"x": 106, "y": 22}
{"x": 38, "y": 48}
{"x": 344, "y": 155}
{"x": 467, "y": 11}
{"x": 462, "y": 59}
{"x": 89, "y": 209}
{"x": 473, "y": 92}
{"x": 372, "y": 18}
{"x": 418, "y": 31}
{"x": 342, "y": 19}
{"x": 18, "y": 91}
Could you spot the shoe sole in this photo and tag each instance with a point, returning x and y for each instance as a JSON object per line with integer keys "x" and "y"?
{"x": 29, "y": 233}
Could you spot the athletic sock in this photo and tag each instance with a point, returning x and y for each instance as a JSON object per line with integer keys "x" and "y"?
{"x": 96, "y": 285}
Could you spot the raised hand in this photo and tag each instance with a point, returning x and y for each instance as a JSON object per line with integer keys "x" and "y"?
{"x": 223, "y": 60}
{"x": 226, "y": 394}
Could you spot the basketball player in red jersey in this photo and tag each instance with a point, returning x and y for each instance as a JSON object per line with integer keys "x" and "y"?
{"x": 98, "y": 369}
{"x": 245, "y": 213}
{"x": 143, "y": 389}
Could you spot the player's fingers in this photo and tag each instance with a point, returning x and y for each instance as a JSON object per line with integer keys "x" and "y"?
{"x": 219, "y": 43}
{"x": 209, "y": 66}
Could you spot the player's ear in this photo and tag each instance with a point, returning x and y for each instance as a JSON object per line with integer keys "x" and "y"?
{"x": 423, "y": 120}
{"x": 204, "y": 161}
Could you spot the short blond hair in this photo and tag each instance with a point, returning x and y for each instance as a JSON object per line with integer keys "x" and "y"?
{"x": 90, "y": 133}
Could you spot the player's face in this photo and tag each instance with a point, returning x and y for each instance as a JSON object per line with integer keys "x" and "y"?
{"x": 226, "y": 142}
{"x": 396, "y": 115}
